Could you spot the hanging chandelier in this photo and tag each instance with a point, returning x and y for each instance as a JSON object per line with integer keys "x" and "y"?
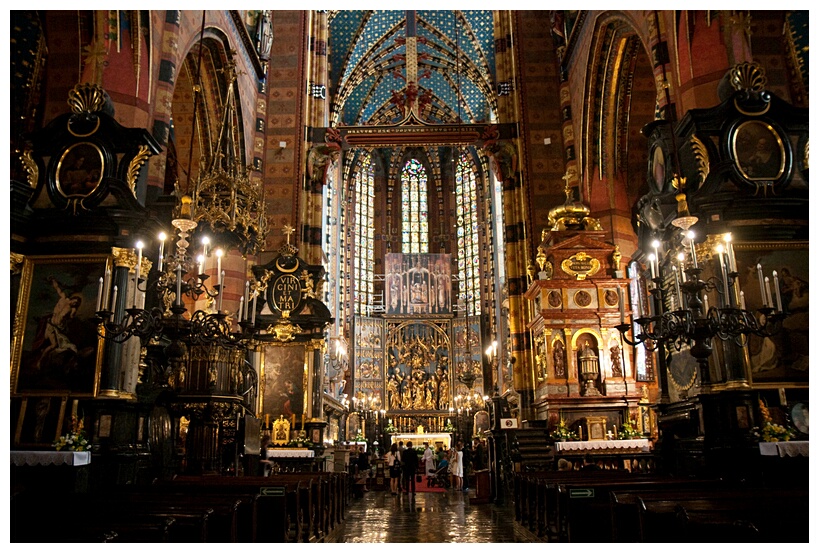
{"x": 226, "y": 201}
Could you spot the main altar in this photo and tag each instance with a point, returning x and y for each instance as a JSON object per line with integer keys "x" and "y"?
{"x": 433, "y": 439}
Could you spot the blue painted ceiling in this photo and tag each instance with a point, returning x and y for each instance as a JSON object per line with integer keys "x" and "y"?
{"x": 366, "y": 52}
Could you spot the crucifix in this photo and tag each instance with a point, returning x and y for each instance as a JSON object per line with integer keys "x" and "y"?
{"x": 288, "y": 230}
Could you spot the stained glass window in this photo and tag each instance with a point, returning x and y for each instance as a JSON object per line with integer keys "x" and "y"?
{"x": 466, "y": 213}
{"x": 364, "y": 236}
{"x": 414, "y": 226}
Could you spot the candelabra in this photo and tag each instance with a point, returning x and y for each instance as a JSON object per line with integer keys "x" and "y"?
{"x": 170, "y": 287}
{"x": 691, "y": 320}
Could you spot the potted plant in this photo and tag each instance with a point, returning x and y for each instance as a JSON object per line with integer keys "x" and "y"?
{"x": 562, "y": 433}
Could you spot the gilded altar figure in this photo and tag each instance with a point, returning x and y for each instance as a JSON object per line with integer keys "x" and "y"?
{"x": 429, "y": 401}
{"x": 418, "y": 390}
{"x": 443, "y": 389}
{"x": 406, "y": 397}
{"x": 394, "y": 391}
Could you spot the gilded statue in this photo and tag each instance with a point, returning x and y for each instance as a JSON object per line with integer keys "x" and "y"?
{"x": 393, "y": 391}
{"x": 443, "y": 389}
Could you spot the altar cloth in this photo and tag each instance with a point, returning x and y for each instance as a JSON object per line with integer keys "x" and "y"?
{"x": 31, "y": 458}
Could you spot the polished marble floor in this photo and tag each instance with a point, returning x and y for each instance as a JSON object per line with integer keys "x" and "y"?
{"x": 447, "y": 517}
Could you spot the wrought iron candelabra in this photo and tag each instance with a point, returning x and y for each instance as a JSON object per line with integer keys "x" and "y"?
{"x": 170, "y": 287}
{"x": 692, "y": 321}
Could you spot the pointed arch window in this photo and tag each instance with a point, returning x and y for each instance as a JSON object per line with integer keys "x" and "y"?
{"x": 466, "y": 201}
{"x": 415, "y": 224}
{"x": 364, "y": 236}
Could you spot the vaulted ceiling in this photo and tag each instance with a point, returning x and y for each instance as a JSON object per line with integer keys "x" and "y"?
{"x": 451, "y": 61}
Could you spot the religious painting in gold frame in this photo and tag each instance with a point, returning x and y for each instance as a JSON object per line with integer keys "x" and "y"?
{"x": 39, "y": 420}
{"x": 758, "y": 151}
{"x": 55, "y": 345}
{"x": 80, "y": 170}
{"x": 284, "y": 377}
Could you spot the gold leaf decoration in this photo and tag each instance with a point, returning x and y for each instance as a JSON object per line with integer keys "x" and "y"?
{"x": 86, "y": 98}
{"x": 701, "y": 155}
{"x": 135, "y": 165}
{"x": 32, "y": 172}
{"x": 748, "y": 76}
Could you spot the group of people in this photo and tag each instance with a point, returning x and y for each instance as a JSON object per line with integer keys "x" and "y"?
{"x": 403, "y": 464}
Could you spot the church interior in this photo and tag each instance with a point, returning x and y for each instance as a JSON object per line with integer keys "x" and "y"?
{"x": 565, "y": 249}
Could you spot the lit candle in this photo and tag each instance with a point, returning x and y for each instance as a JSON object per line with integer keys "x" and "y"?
{"x": 681, "y": 259}
{"x": 691, "y": 236}
{"x": 768, "y": 299}
{"x": 139, "y": 246}
{"x": 205, "y": 242}
{"x": 651, "y": 258}
{"x": 742, "y": 300}
{"x": 656, "y": 245}
{"x": 729, "y": 249}
{"x": 778, "y": 295}
{"x": 241, "y": 304}
{"x": 219, "y": 254}
{"x": 201, "y": 260}
{"x": 99, "y": 294}
{"x": 622, "y": 307}
{"x": 162, "y": 238}
{"x": 761, "y": 282}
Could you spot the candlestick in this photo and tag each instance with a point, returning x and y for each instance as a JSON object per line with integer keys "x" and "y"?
{"x": 241, "y": 304}
{"x": 761, "y": 282}
{"x": 106, "y": 288}
{"x": 778, "y": 295}
{"x": 205, "y": 242}
{"x": 74, "y": 405}
{"x": 201, "y": 260}
{"x": 114, "y": 302}
{"x": 677, "y": 285}
{"x": 267, "y": 420}
{"x": 742, "y": 300}
{"x": 656, "y": 245}
{"x": 729, "y": 249}
{"x": 651, "y": 258}
{"x": 221, "y": 294}
{"x": 99, "y": 295}
{"x": 162, "y": 238}
{"x": 705, "y": 303}
{"x": 219, "y": 254}
{"x": 681, "y": 259}
{"x": 247, "y": 297}
{"x": 724, "y": 275}
{"x": 768, "y": 300}
{"x": 691, "y": 236}
{"x": 139, "y": 246}
{"x": 179, "y": 284}
{"x": 622, "y": 307}
{"x": 253, "y": 311}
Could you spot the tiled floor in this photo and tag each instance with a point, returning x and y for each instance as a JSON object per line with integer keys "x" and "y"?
{"x": 448, "y": 517}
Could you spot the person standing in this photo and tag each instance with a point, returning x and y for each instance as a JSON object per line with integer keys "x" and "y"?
{"x": 409, "y": 464}
{"x": 429, "y": 462}
{"x": 394, "y": 464}
{"x": 478, "y": 455}
{"x": 456, "y": 466}
{"x": 401, "y": 450}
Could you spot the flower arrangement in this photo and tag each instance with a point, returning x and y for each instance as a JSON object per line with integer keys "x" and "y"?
{"x": 562, "y": 432}
{"x": 359, "y": 437}
{"x": 73, "y": 440}
{"x": 449, "y": 427}
{"x": 629, "y": 431}
{"x": 300, "y": 441}
{"x": 772, "y": 432}
{"x": 390, "y": 428}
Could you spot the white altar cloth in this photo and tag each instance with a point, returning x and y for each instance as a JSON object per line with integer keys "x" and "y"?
{"x": 275, "y": 452}
{"x": 75, "y": 458}
{"x": 419, "y": 439}
{"x": 798, "y": 448}
{"x": 641, "y": 444}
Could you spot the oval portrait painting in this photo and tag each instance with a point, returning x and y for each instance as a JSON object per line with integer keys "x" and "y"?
{"x": 80, "y": 170}
{"x": 758, "y": 151}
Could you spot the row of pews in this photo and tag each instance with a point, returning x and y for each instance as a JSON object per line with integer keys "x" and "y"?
{"x": 618, "y": 506}
{"x": 286, "y": 507}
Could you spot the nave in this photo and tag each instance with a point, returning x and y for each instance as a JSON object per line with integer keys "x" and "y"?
{"x": 428, "y": 517}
